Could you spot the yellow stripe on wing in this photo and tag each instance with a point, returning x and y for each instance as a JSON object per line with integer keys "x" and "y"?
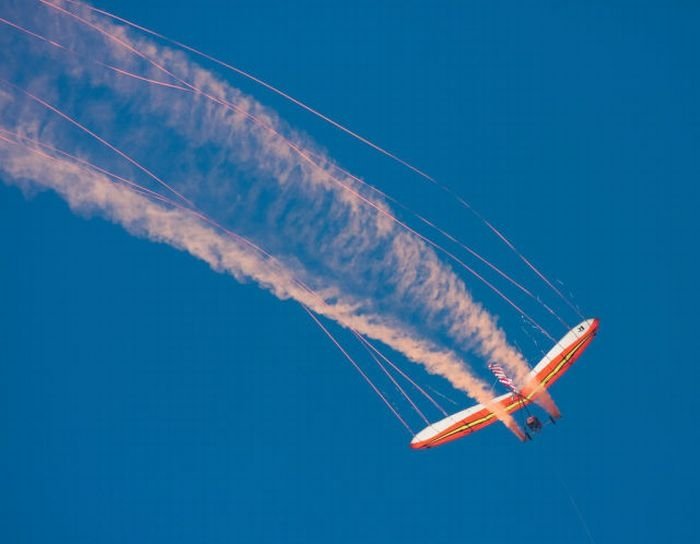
{"x": 516, "y": 400}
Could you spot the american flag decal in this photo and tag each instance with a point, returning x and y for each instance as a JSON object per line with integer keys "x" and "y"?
{"x": 502, "y": 376}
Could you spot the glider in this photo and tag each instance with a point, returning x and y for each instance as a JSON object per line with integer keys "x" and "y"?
{"x": 548, "y": 370}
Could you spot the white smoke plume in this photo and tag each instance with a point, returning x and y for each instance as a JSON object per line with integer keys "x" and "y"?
{"x": 237, "y": 166}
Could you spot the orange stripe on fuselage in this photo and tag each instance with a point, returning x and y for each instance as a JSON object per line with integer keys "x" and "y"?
{"x": 547, "y": 376}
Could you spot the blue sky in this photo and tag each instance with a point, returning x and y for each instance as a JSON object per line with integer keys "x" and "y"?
{"x": 146, "y": 399}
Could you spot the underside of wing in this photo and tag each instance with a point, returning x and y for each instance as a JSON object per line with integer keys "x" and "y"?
{"x": 552, "y": 366}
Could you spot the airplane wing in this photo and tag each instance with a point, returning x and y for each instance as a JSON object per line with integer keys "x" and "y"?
{"x": 552, "y": 366}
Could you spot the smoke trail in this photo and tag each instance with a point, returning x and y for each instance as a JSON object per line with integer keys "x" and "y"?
{"x": 44, "y": 150}
{"x": 263, "y": 83}
{"x": 313, "y": 159}
{"x": 373, "y": 276}
{"x": 304, "y": 154}
{"x": 92, "y": 192}
{"x": 353, "y": 134}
